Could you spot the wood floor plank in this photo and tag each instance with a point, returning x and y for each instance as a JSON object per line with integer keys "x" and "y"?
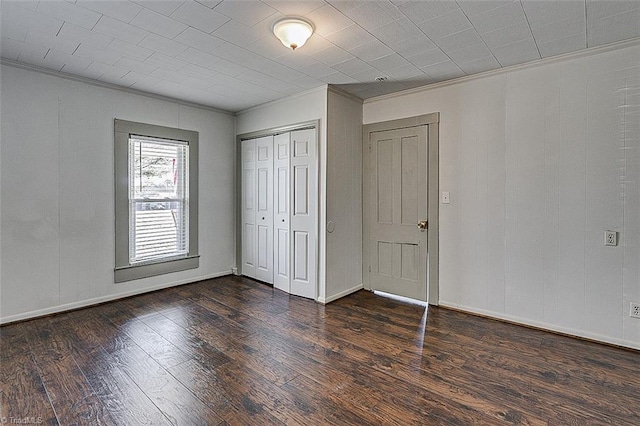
{"x": 233, "y": 351}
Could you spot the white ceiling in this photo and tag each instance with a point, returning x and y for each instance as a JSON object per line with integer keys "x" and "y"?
{"x": 223, "y": 53}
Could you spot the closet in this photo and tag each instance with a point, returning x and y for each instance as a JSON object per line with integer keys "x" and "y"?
{"x": 279, "y": 210}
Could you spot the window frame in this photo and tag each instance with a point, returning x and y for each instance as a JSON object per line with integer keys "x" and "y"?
{"x": 124, "y": 270}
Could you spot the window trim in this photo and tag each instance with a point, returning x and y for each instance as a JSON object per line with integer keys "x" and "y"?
{"x": 124, "y": 271}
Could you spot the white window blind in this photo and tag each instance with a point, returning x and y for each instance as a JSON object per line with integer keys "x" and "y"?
{"x": 158, "y": 199}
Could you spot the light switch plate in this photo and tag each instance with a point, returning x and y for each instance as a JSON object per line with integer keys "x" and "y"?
{"x": 445, "y": 197}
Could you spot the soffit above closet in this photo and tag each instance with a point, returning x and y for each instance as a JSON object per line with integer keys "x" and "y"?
{"x": 223, "y": 54}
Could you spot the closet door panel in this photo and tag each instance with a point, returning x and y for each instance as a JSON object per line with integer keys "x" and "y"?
{"x": 282, "y": 185}
{"x": 248, "y": 214}
{"x": 304, "y": 213}
{"x": 264, "y": 209}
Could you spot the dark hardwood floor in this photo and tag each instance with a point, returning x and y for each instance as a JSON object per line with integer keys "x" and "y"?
{"x": 233, "y": 351}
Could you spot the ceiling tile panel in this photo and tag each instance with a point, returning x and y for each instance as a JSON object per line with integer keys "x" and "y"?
{"x": 80, "y": 35}
{"x": 397, "y": 31}
{"x": 430, "y": 57}
{"x": 69, "y": 12}
{"x": 328, "y": 20}
{"x": 598, "y": 9}
{"x": 443, "y": 71}
{"x": 11, "y": 49}
{"x": 479, "y": 65}
{"x": 471, "y": 53}
{"x": 129, "y": 50}
{"x": 450, "y": 23}
{"x": 198, "y": 39}
{"x": 352, "y": 66}
{"x": 404, "y": 72}
{"x": 120, "y": 30}
{"x": 506, "y": 35}
{"x": 74, "y": 69}
{"x": 267, "y": 48}
{"x": 295, "y": 7}
{"x": 370, "y": 15}
{"x": 123, "y": 11}
{"x": 200, "y": 17}
{"x": 157, "y": 23}
{"x": 332, "y": 55}
{"x": 389, "y": 62}
{"x": 96, "y": 54}
{"x": 209, "y": 3}
{"x": 459, "y": 40}
{"x": 563, "y": 45}
{"x": 137, "y": 66}
{"x": 164, "y": 45}
{"x": 614, "y": 28}
{"x": 419, "y": 11}
{"x": 63, "y": 45}
{"x": 56, "y": 59}
{"x": 167, "y": 75}
{"x": 557, "y": 30}
{"x": 13, "y": 31}
{"x": 165, "y": 62}
{"x": 237, "y": 33}
{"x": 370, "y": 51}
{"x": 213, "y": 63}
{"x": 110, "y": 70}
{"x": 516, "y": 53}
{"x": 306, "y": 82}
{"x": 475, "y": 7}
{"x": 15, "y": 13}
{"x": 350, "y": 37}
{"x": 540, "y": 13}
{"x": 246, "y": 12}
{"x": 500, "y": 17}
{"x": 165, "y": 7}
{"x": 412, "y": 46}
{"x": 315, "y": 43}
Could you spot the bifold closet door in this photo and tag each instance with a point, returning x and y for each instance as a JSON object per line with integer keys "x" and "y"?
{"x": 303, "y": 213}
{"x": 249, "y": 248}
{"x": 257, "y": 208}
{"x": 281, "y": 223}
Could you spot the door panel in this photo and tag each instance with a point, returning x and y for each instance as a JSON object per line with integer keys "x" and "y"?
{"x": 264, "y": 210}
{"x": 303, "y": 215}
{"x": 282, "y": 185}
{"x": 399, "y": 200}
{"x": 248, "y": 214}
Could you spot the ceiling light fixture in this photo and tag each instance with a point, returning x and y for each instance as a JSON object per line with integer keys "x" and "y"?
{"x": 293, "y": 32}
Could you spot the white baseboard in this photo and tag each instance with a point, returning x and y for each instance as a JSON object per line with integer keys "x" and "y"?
{"x": 543, "y": 325}
{"x": 102, "y": 299}
{"x": 325, "y": 300}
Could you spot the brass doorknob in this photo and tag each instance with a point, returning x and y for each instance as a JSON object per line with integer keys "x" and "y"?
{"x": 423, "y": 224}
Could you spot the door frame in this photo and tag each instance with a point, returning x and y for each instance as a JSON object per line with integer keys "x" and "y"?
{"x": 312, "y": 124}
{"x": 432, "y": 122}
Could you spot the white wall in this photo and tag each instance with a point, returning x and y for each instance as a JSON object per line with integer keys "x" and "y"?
{"x": 539, "y": 162}
{"x": 301, "y": 108}
{"x": 344, "y": 195}
{"x": 57, "y": 211}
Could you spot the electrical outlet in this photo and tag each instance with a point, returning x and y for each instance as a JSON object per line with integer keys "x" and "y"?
{"x": 634, "y": 312}
{"x": 610, "y": 238}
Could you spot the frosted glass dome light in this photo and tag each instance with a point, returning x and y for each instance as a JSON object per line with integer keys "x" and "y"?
{"x": 293, "y": 32}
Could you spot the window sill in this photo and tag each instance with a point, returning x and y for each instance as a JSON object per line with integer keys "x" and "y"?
{"x": 135, "y": 272}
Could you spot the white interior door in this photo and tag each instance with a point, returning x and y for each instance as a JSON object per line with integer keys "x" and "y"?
{"x": 249, "y": 248}
{"x": 303, "y": 213}
{"x": 264, "y": 209}
{"x": 397, "y": 247}
{"x": 281, "y": 186}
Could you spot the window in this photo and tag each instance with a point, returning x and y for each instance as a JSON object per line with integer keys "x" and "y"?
{"x": 156, "y": 171}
